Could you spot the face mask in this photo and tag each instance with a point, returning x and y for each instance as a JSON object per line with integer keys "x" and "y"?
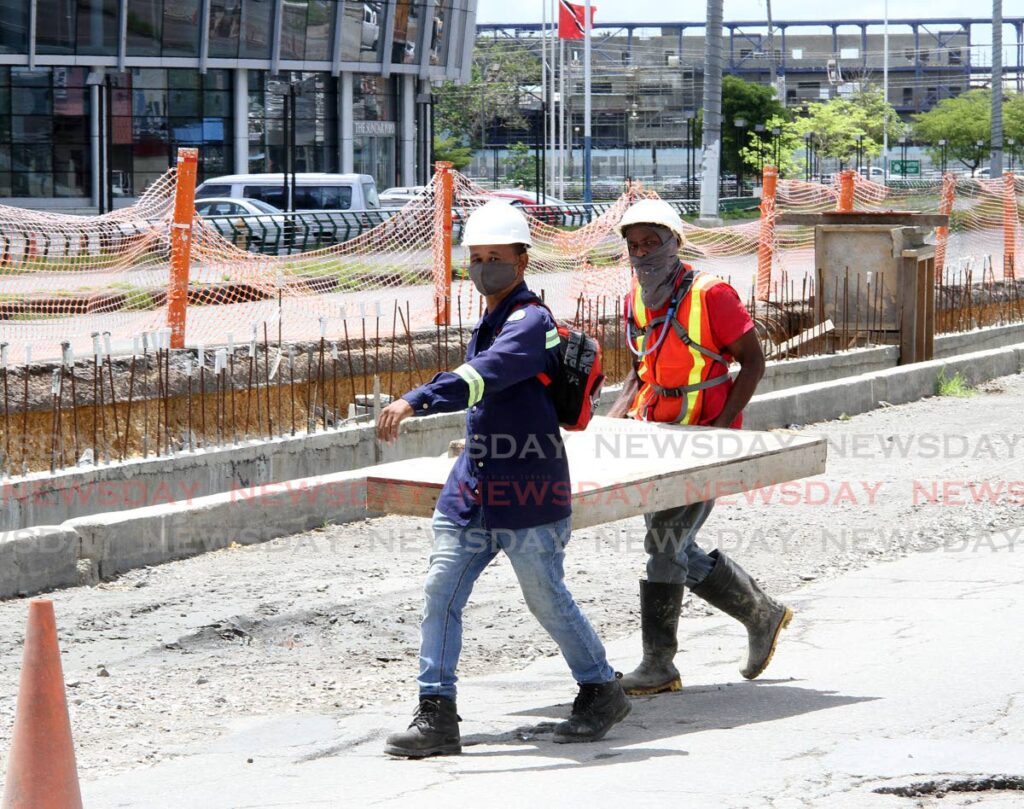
{"x": 657, "y": 270}
{"x": 492, "y": 277}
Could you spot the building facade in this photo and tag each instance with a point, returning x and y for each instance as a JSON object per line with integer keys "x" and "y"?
{"x": 648, "y": 77}
{"x": 97, "y": 95}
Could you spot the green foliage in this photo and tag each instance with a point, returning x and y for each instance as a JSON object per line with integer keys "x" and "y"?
{"x": 789, "y": 143}
{"x": 835, "y": 126}
{"x": 755, "y": 104}
{"x": 965, "y": 120}
{"x": 521, "y": 166}
{"x": 954, "y": 385}
{"x": 451, "y": 150}
{"x": 501, "y": 73}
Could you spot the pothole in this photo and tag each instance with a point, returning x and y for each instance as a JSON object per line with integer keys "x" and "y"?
{"x": 940, "y": 788}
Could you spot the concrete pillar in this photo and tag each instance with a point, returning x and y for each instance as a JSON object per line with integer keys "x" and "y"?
{"x": 345, "y": 123}
{"x": 240, "y": 107}
{"x": 407, "y": 126}
{"x": 96, "y": 185}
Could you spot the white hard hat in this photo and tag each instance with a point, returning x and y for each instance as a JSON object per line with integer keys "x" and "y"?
{"x": 496, "y": 222}
{"x": 652, "y": 212}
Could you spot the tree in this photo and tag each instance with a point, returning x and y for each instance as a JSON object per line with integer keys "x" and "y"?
{"x": 966, "y": 120}
{"x": 753, "y": 104}
{"x": 451, "y": 150}
{"x": 501, "y": 73}
{"x": 760, "y": 148}
{"x": 835, "y": 126}
{"x": 521, "y": 166}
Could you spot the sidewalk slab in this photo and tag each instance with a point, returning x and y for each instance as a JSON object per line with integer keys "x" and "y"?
{"x": 903, "y": 673}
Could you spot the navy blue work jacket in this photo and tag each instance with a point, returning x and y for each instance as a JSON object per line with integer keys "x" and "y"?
{"x": 514, "y": 466}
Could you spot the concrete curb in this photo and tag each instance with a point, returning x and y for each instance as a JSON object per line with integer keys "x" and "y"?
{"x": 105, "y": 545}
{"x": 39, "y": 558}
{"x": 858, "y": 394}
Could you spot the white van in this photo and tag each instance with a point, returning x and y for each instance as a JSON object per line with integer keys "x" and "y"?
{"x": 314, "y": 191}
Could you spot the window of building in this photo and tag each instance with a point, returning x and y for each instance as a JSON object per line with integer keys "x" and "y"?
{"x": 14, "y": 31}
{"x": 908, "y": 96}
{"x": 956, "y": 56}
{"x": 57, "y": 34}
{"x": 181, "y": 28}
{"x": 145, "y": 27}
{"x": 362, "y": 36}
{"x": 224, "y": 28}
{"x": 97, "y": 27}
{"x": 798, "y": 53}
{"x": 849, "y": 53}
{"x": 746, "y": 53}
{"x": 316, "y": 116}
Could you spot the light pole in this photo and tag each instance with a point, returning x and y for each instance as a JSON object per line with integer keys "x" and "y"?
{"x": 690, "y": 162}
{"x": 630, "y": 133}
{"x": 981, "y": 153}
{"x": 808, "y": 139}
{"x": 1011, "y": 143}
{"x": 903, "y": 157}
{"x": 740, "y": 124}
{"x": 759, "y": 129}
{"x": 776, "y": 136}
{"x": 860, "y": 152}
{"x": 942, "y": 145}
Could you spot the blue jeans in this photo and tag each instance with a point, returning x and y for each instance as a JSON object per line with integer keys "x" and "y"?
{"x": 674, "y": 557}
{"x": 460, "y": 556}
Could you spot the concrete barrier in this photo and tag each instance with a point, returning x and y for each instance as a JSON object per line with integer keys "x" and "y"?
{"x": 39, "y": 558}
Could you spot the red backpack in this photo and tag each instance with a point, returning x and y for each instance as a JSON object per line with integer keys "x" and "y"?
{"x": 576, "y": 388}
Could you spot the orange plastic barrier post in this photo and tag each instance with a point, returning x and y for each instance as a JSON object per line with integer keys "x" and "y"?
{"x": 766, "y": 237}
{"x": 846, "y": 186}
{"x": 1009, "y": 227}
{"x": 442, "y": 241}
{"x": 942, "y": 232}
{"x": 181, "y": 243}
{"x": 41, "y": 771}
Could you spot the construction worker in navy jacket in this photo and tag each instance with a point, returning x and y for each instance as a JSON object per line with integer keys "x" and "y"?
{"x": 508, "y": 491}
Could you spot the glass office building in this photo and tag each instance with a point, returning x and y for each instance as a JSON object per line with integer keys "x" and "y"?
{"x": 96, "y": 95}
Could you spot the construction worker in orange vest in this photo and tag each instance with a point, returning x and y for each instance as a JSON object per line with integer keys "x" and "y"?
{"x": 684, "y": 328}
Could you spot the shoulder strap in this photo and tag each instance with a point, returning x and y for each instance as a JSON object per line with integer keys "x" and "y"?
{"x": 684, "y": 335}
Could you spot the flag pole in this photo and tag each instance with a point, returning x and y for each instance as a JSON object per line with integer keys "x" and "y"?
{"x": 587, "y": 195}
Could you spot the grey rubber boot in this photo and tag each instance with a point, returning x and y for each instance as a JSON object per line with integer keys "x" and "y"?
{"x": 732, "y": 590}
{"x": 659, "y": 622}
{"x": 434, "y": 731}
{"x": 595, "y": 709}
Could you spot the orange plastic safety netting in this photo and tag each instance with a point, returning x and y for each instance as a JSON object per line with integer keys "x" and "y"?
{"x": 65, "y": 278}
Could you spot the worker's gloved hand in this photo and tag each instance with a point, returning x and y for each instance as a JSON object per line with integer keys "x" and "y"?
{"x": 390, "y": 417}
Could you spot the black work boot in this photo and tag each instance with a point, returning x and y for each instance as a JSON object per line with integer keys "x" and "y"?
{"x": 731, "y": 589}
{"x": 595, "y": 709}
{"x": 659, "y": 622}
{"x": 434, "y": 731}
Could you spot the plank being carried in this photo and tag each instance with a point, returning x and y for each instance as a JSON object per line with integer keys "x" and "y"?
{"x": 622, "y": 468}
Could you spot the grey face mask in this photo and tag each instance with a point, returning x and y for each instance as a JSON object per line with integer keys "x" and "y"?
{"x": 492, "y": 277}
{"x": 657, "y": 270}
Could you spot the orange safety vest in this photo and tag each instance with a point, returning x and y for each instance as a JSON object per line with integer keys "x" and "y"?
{"x": 675, "y": 358}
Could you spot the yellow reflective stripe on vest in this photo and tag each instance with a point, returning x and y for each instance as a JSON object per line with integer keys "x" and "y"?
{"x": 639, "y": 310}
{"x": 693, "y": 327}
{"x": 474, "y": 380}
{"x": 551, "y": 338}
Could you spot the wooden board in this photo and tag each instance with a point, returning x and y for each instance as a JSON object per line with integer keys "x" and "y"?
{"x": 621, "y": 468}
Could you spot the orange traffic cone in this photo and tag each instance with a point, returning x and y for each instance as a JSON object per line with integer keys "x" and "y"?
{"x": 41, "y": 771}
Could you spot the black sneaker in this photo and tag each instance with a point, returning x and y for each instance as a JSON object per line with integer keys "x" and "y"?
{"x": 595, "y": 710}
{"x": 434, "y": 731}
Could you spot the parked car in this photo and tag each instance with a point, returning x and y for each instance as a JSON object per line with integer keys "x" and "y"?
{"x": 314, "y": 191}
{"x": 261, "y": 228}
{"x": 873, "y": 173}
{"x": 399, "y": 196}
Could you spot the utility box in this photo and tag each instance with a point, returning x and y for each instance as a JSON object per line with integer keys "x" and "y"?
{"x": 875, "y": 273}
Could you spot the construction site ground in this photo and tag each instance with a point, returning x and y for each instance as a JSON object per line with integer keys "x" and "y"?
{"x": 268, "y": 675}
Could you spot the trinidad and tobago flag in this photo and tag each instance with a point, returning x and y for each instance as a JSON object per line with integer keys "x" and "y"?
{"x": 572, "y": 20}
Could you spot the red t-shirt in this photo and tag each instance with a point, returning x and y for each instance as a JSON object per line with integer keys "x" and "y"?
{"x": 729, "y": 321}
